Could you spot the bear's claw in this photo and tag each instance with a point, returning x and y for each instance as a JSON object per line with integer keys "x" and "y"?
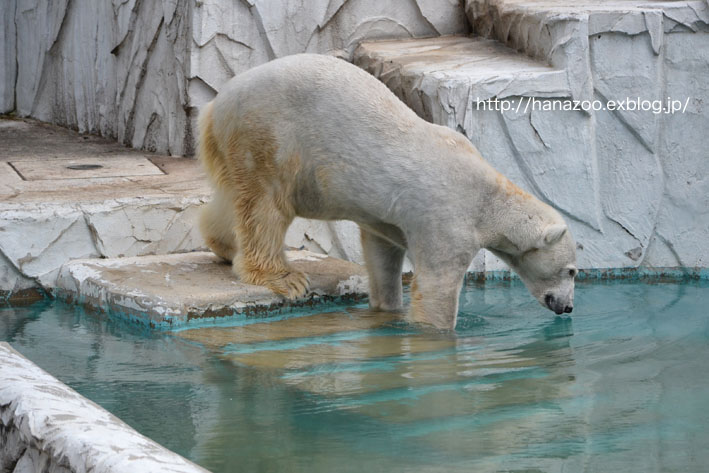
{"x": 292, "y": 285}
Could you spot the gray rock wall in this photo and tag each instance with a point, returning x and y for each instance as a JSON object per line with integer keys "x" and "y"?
{"x": 113, "y": 68}
{"x": 631, "y": 181}
{"x": 138, "y": 70}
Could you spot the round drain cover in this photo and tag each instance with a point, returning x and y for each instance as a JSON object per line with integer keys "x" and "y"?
{"x": 84, "y": 167}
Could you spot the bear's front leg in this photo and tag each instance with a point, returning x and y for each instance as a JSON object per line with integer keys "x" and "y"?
{"x": 435, "y": 288}
{"x": 384, "y": 262}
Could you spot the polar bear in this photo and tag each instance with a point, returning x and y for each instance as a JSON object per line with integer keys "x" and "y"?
{"x": 314, "y": 136}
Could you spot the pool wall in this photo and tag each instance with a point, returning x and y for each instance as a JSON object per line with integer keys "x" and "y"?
{"x": 45, "y": 426}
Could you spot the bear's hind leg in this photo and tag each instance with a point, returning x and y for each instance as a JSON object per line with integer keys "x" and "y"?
{"x": 216, "y": 223}
{"x": 384, "y": 261}
{"x": 261, "y": 228}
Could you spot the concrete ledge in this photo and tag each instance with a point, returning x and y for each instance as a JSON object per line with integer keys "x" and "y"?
{"x": 609, "y": 274}
{"x": 168, "y": 291}
{"x": 45, "y": 426}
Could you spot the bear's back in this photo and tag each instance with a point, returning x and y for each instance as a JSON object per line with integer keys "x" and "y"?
{"x": 359, "y": 149}
{"x": 317, "y": 89}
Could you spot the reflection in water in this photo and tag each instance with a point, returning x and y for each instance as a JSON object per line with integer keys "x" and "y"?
{"x": 621, "y": 386}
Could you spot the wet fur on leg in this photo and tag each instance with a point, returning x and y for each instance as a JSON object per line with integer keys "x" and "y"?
{"x": 250, "y": 189}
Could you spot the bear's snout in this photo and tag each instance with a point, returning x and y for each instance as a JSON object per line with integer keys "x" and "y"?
{"x": 556, "y": 305}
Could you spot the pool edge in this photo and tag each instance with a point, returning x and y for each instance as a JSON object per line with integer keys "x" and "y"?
{"x": 46, "y": 423}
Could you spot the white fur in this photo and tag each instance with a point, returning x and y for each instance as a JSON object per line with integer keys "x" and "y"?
{"x": 409, "y": 184}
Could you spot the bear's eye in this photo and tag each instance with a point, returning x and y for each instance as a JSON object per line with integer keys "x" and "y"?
{"x": 572, "y": 272}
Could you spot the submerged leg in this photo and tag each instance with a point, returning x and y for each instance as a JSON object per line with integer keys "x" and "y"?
{"x": 435, "y": 289}
{"x": 384, "y": 261}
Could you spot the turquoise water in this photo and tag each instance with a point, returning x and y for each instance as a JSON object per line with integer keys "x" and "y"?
{"x": 623, "y": 385}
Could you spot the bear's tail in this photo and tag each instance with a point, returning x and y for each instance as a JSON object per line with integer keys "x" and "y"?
{"x": 207, "y": 147}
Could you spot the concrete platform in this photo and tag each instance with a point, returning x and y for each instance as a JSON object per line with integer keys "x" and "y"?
{"x": 169, "y": 291}
{"x": 135, "y": 203}
{"x": 28, "y": 142}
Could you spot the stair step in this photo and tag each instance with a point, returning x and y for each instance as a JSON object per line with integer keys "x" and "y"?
{"x": 169, "y": 291}
{"x": 459, "y": 70}
{"x": 374, "y": 365}
{"x": 441, "y": 368}
{"x": 558, "y": 32}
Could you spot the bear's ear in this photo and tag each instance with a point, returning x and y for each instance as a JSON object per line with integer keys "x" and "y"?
{"x": 552, "y": 234}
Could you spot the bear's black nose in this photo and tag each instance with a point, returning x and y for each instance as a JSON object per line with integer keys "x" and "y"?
{"x": 568, "y": 309}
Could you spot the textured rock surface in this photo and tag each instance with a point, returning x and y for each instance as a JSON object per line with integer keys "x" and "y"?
{"x": 136, "y": 71}
{"x": 630, "y": 182}
{"x": 8, "y": 57}
{"x": 45, "y": 426}
{"x": 114, "y": 68}
{"x": 172, "y": 290}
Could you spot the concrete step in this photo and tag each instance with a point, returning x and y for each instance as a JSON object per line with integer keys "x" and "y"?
{"x": 311, "y": 327}
{"x": 346, "y": 349}
{"x": 441, "y": 78}
{"x": 558, "y": 32}
{"x": 169, "y": 291}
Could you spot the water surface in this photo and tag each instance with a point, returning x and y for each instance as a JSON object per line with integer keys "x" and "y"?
{"x": 623, "y": 385}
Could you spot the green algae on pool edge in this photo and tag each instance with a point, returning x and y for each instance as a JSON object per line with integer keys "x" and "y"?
{"x": 623, "y": 385}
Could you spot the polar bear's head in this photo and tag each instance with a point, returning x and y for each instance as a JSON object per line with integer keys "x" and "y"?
{"x": 547, "y": 267}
